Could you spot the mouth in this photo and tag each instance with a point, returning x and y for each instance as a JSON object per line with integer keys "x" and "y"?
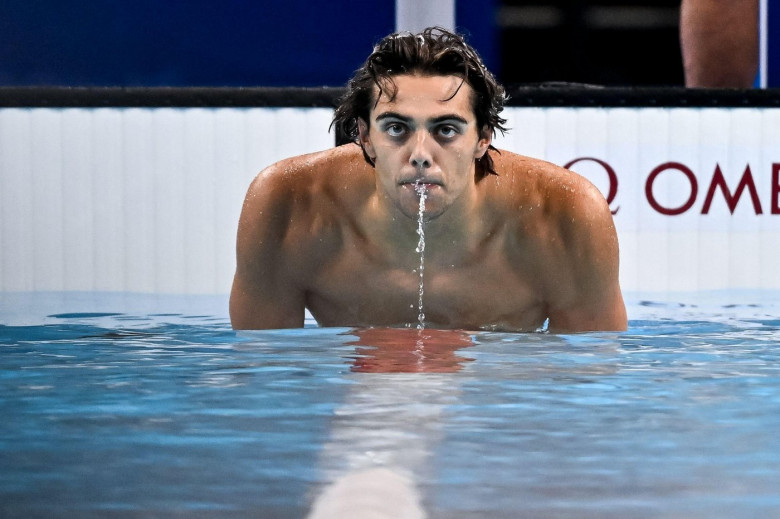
{"x": 420, "y": 185}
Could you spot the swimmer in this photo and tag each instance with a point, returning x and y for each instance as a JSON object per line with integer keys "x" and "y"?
{"x": 512, "y": 242}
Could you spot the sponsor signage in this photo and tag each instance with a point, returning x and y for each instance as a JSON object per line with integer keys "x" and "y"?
{"x": 698, "y": 191}
{"x": 664, "y": 169}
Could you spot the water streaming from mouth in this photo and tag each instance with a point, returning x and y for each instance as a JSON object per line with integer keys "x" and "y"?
{"x": 420, "y": 189}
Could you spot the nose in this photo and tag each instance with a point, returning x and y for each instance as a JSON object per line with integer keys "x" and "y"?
{"x": 420, "y": 156}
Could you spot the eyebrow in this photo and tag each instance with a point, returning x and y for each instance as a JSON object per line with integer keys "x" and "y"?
{"x": 435, "y": 120}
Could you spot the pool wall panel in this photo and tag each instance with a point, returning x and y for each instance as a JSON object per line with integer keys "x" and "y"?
{"x": 147, "y": 199}
{"x": 136, "y": 199}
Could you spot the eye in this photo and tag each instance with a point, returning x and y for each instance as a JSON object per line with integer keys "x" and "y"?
{"x": 447, "y": 131}
{"x": 395, "y": 129}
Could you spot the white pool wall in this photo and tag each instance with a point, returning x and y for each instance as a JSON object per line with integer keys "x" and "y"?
{"x": 148, "y": 199}
{"x": 140, "y": 200}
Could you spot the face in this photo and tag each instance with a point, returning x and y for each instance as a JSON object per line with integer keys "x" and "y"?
{"x": 425, "y": 138}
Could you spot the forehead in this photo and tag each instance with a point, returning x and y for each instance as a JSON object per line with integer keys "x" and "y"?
{"x": 421, "y": 94}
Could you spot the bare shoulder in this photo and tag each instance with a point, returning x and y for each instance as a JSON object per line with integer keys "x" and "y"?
{"x": 299, "y": 203}
{"x": 288, "y": 226}
{"x": 307, "y": 173}
{"x": 566, "y": 236}
{"x": 561, "y": 206}
{"x": 557, "y": 191}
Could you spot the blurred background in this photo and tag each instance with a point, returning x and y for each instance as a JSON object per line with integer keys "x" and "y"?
{"x": 606, "y": 42}
{"x": 312, "y": 43}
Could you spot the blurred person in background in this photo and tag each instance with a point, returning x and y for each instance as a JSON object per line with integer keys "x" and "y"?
{"x": 719, "y": 43}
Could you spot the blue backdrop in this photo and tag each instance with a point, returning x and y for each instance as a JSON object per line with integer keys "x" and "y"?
{"x": 773, "y": 44}
{"x": 203, "y": 42}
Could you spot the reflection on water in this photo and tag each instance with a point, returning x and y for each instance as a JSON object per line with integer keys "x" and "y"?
{"x": 159, "y": 413}
{"x": 406, "y": 350}
{"x": 390, "y": 421}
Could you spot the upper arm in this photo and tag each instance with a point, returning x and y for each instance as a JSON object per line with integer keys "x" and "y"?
{"x": 266, "y": 292}
{"x": 586, "y": 294}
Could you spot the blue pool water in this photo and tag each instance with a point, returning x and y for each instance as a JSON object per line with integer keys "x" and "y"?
{"x": 119, "y": 405}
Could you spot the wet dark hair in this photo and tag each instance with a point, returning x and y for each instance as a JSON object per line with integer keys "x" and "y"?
{"x": 433, "y": 52}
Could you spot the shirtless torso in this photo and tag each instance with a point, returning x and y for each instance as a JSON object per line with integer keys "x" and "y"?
{"x": 312, "y": 235}
{"x": 337, "y": 235}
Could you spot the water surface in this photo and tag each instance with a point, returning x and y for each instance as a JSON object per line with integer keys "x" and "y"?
{"x": 118, "y": 405}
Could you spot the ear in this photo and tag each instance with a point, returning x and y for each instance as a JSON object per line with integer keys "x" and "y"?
{"x": 484, "y": 142}
{"x": 365, "y": 140}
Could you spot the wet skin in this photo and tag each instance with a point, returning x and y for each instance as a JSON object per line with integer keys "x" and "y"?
{"x": 330, "y": 232}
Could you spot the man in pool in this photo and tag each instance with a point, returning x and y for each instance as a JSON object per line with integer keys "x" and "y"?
{"x": 511, "y": 242}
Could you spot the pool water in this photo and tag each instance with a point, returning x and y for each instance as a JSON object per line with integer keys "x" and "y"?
{"x": 119, "y": 405}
